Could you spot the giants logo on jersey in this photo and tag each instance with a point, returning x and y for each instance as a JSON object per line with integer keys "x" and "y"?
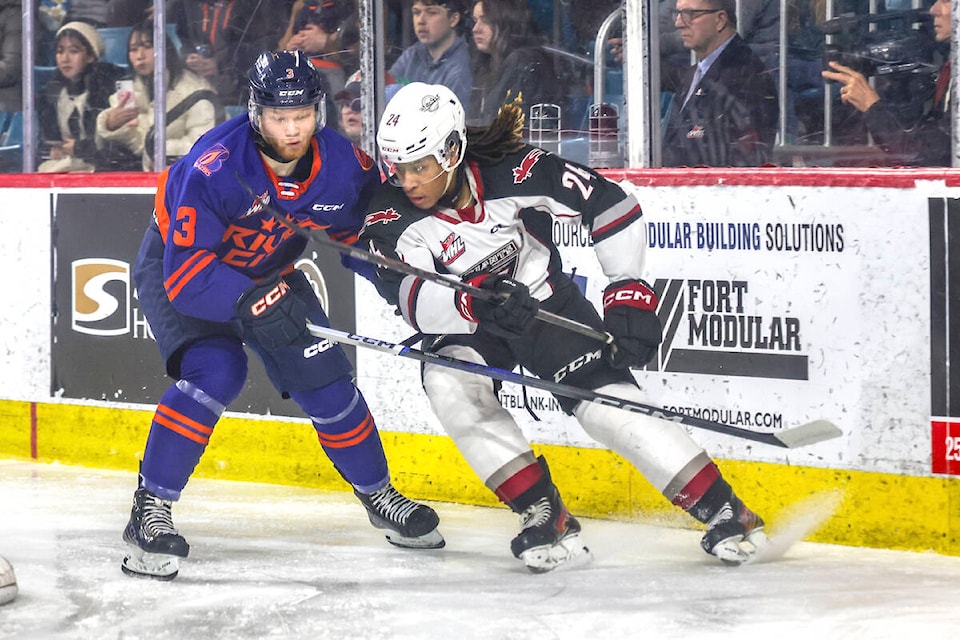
{"x": 453, "y": 248}
{"x": 388, "y": 215}
{"x": 211, "y": 160}
{"x": 522, "y": 172}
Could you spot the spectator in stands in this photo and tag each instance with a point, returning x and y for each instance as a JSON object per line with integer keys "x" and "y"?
{"x": 11, "y": 51}
{"x": 725, "y": 110}
{"x": 926, "y": 142}
{"x": 68, "y": 105}
{"x": 192, "y": 106}
{"x": 348, "y": 108}
{"x": 317, "y": 28}
{"x": 221, "y": 39}
{"x": 442, "y": 54}
{"x": 510, "y": 61}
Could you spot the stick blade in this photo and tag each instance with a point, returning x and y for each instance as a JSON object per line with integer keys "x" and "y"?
{"x": 809, "y": 433}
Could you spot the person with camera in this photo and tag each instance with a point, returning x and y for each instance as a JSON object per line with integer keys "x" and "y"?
{"x": 925, "y": 143}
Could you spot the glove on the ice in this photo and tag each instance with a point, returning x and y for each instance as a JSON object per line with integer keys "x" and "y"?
{"x": 630, "y": 316}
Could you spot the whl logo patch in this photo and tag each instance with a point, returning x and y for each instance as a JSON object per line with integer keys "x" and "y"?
{"x": 100, "y": 297}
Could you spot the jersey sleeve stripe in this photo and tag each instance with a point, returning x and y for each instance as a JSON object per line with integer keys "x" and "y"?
{"x": 409, "y": 290}
{"x": 160, "y": 213}
{"x": 614, "y": 219}
{"x": 182, "y": 276}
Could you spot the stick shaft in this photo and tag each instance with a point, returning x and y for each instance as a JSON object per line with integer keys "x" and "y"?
{"x": 802, "y": 435}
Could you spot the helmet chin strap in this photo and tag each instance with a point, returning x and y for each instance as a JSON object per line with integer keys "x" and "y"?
{"x": 457, "y": 177}
{"x": 265, "y": 147}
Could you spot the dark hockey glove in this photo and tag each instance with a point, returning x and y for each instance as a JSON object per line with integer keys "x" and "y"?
{"x": 630, "y": 316}
{"x": 274, "y": 314}
{"x": 508, "y": 316}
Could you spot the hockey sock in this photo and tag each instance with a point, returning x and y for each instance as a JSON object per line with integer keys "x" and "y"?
{"x": 525, "y": 487}
{"x": 347, "y": 433}
{"x": 212, "y": 375}
{"x": 705, "y": 494}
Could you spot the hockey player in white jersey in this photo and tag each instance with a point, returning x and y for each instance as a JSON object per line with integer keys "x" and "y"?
{"x": 479, "y": 203}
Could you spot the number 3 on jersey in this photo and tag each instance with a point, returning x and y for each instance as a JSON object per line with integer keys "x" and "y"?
{"x": 579, "y": 178}
{"x": 184, "y": 233}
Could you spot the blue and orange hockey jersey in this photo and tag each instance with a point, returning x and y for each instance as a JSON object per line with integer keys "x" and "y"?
{"x": 219, "y": 239}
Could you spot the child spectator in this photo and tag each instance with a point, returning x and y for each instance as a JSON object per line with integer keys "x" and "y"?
{"x": 192, "y": 106}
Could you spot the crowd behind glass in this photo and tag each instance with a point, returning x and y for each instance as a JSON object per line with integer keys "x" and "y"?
{"x": 740, "y": 82}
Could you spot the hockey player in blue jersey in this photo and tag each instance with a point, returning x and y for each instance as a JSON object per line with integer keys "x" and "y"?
{"x": 215, "y": 272}
{"x": 478, "y": 203}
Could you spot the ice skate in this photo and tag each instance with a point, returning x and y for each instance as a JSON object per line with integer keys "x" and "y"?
{"x": 406, "y": 523}
{"x": 550, "y": 537}
{"x": 155, "y": 545}
{"x": 8, "y": 581}
{"x": 735, "y": 534}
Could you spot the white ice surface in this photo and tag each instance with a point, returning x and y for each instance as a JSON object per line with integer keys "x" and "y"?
{"x": 284, "y": 562}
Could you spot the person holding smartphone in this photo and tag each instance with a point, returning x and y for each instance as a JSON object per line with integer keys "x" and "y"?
{"x": 192, "y": 106}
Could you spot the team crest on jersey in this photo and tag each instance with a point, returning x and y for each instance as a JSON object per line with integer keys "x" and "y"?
{"x": 211, "y": 160}
{"x": 453, "y": 248}
{"x": 388, "y": 215}
{"x": 522, "y": 172}
{"x": 366, "y": 162}
{"x": 258, "y": 204}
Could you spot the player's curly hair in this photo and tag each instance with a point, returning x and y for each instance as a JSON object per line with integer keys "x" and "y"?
{"x": 503, "y": 136}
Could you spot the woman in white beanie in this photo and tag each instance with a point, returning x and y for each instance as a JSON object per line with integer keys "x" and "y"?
{"x": 69, "y": 103}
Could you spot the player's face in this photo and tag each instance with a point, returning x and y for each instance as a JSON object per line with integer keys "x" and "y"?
{"x": 423, "y": 181}
{"x": 289, "y": 130}
{"x": 482, "y": 30}
{"x": 72, "y": 57}
{"x": 941, "y": 20}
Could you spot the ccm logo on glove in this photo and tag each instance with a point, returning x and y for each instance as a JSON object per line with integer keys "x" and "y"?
{"x": 259, "y": 307}
{"x": 633, "y": 293}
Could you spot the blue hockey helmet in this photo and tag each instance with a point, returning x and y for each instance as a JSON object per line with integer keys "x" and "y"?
{"x": 284, "y": 79}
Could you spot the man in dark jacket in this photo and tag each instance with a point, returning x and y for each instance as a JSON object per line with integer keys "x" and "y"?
{"x": 923, "y": 143}
{"x": 724, "y": 111}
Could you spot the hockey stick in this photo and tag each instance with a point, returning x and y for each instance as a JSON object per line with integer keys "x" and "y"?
{"x": 801, "y": 436}
{"x": 410, "y": 270}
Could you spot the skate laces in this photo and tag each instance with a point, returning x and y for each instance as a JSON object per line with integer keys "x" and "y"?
{"x": 157, "y": 516}
{"x": 392, "y": 505}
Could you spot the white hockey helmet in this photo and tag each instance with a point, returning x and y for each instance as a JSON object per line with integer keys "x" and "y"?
{"x": 423, "y": 120}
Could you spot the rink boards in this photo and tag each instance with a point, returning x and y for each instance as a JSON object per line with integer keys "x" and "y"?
{"x": 785, "y": 297}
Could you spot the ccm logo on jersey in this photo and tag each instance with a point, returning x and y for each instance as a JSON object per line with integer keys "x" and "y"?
{"x": 577, "y": 364}
{"x": 522, "y": 172}
{"x": 386, "y": 216}
{"x": 271, "y": 298}
{"x": 328, "y": 207}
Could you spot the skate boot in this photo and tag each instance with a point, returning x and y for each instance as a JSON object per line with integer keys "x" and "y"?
{"x": 734, "y": 533}
{"x": 550, "y": 535}
{"x": 406, "y": 523}
{"x": 155, "y": 545}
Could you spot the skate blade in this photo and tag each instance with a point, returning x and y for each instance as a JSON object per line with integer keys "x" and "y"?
{"x": 568, "y": 553}
{"x": 432, "y": 540}
{"x": 738, "y": 550}
{"x": 157, "y": 566}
